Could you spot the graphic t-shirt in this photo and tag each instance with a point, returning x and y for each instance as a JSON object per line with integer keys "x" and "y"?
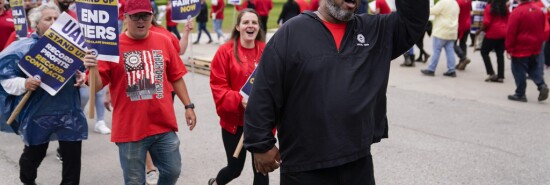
{"x": 139, "y": 85}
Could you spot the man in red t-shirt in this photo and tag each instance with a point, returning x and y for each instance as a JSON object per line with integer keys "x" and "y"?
{"x": 143, "y": 114}
{"x": 6, "y": 24}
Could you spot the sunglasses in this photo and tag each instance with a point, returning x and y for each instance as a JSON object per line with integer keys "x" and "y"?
{"x": 137, "y": 17}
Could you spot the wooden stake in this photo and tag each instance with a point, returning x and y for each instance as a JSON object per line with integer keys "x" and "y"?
{"x": 239, "y": 147}
{"x": 93, "y": 78}
{"x": 18, "y": 108}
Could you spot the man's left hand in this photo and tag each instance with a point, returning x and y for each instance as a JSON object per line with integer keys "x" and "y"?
{"x": 190, "y": 118}
{"x": 268, "y": 161}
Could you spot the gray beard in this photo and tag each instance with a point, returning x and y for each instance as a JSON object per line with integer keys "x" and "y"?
{"x": 337, "y": 13}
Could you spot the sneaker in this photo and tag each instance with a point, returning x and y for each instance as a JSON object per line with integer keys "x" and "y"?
{"x": 427, "y": 72}
{"x": 152, "y": 177}
{"x": 101, "y": 128}
{"x": 491, "y": 78}
{"x": 211, "y": 181}
{"x": 450, "y": 74}
{"x": 516, "y": 97}
{"x": 58, "y": 156}
{"x": 465, "y": 63}
{"x": 462, "y": 64}
{"x": 543, "y": 95}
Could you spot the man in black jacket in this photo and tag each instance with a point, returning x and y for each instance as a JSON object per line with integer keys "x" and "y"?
{"x": 322, "y": 83}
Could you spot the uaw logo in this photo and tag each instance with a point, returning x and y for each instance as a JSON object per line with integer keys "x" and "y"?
{"x": 361, "y": 40}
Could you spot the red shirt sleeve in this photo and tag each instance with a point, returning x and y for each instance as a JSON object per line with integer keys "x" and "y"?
{"x": 226, "y": 99}
{"x": 174, "y": 67}
{"x": 104, "y": 69}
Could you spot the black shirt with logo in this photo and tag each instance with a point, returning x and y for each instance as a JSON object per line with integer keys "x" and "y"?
{"x": 328, "y": 105}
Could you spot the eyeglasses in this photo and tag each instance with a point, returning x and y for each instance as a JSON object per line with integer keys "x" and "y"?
{"x": 137, "y": 17}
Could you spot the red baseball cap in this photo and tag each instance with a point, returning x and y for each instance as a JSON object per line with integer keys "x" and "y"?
{"x": 138, "y": 6}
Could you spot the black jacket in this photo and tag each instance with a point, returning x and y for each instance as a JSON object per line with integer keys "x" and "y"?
{"x": 328, "y": 105}
{"x": 290, "y": 10}
{"x": 203, "y": 14}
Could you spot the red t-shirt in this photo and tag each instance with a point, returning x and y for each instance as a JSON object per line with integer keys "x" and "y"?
{"x": 220, "y": 7}
{"x": 6, "y": 26}
{"x": 314, "y": 5}
{"x": 263, "y": 7}
{"x": 169, "y": 21}
{"x": 337, "y": 30}
{"x": 142, "y": 103}
{"x": 464, "y": 18}
{"x": 227, "y": 77}
{"x": 12, "y": 37}
{"x": 173, "y": 39}
{"x": 383, "y": 6}
{"x": 303, "y": 5}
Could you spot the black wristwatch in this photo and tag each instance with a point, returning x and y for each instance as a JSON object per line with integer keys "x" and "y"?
{"x": 190, "y": 106}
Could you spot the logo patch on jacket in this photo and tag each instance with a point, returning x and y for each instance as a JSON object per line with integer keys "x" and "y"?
{"x": 361, "y": 40}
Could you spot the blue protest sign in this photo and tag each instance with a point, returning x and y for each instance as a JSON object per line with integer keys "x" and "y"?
{"x": 19, "y": 18}
{"x": 478, "y": 7}
{"x": 99, "y": 22}
{"x": 247, "y": 87}
{"x": 234, "y": 2}
{"x": 57, "y": 55}
{"x": 184, "y": 9}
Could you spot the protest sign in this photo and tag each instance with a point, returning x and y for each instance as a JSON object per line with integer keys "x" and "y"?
{"x": 478, "y": 7}
{"x": 99, "y": 22}
{"x": 234, "y": 2}
{"x": 247, "y": 87}
{"x": 184, "y": 9}
{"x": 56, "y": 56}
{"x": 19, "y": 18}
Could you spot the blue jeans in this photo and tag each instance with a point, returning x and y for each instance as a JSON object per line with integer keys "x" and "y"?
{"x": 532, "y": 65}
{"x": 164, "y": 150}
{"x": 411, "y": 51}
{"x": 218, "y": 27}
{"x": 99, "y": 97}
{"x": 202, "y": 27}
{"x": 438, "y": 44}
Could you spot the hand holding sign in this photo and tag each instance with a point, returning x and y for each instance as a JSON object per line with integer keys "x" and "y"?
{"x": 32, "y": 83}
{"x": 53, "y": 60}
{"x": 183, "y": 9}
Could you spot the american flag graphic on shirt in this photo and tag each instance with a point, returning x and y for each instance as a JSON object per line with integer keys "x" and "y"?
{"x": 143, "y": 69}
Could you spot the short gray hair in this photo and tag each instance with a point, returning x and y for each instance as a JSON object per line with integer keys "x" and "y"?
{"x": 36, "y": 13}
